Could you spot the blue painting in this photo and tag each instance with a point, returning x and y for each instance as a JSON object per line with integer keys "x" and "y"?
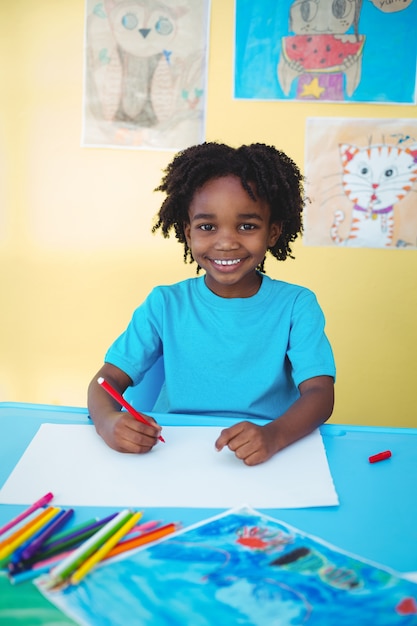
{"x": 321, "y": 50}
{"x": 240, "y": 568}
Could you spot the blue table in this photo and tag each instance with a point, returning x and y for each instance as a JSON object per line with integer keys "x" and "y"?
{"x": 376, "y": 518}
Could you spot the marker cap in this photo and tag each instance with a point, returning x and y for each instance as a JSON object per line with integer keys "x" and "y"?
{"x": 381, "y": 456}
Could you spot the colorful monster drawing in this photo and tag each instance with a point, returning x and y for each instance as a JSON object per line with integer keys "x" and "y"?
{"x": 325, "y": 60}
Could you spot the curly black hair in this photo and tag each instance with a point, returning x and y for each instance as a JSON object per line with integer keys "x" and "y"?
{"x": 275, "y": 177}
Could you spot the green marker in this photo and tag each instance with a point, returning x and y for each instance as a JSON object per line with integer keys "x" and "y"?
{"x": 60, "y": 573}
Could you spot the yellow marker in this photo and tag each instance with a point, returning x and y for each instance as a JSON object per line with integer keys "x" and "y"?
{"x": 104, "y": 550}
{"x": 30, "y": 530}
{"x": 16, "y": 533}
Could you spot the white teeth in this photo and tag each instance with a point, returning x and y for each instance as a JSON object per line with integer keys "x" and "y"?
{"x": 227, "y": 262}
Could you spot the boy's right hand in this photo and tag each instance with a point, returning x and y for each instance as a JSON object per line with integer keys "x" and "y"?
{"x": 122, "y": 432}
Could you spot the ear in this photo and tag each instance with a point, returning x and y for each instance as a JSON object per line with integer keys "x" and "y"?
{"x": 275, "y": 230}
{"x": 347, "y": 152}
{"x": 187, "y": 233}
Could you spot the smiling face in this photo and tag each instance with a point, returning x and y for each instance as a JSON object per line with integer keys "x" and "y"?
{"x": 228, "y": 235}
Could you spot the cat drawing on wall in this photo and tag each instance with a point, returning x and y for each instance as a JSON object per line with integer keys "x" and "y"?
{"x": 322, "y": 57}
{"x": 144, "y": 69}
{"x": 375, "y": 179}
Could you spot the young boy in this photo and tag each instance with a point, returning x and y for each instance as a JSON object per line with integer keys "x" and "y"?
{"x": 234, "y": 341}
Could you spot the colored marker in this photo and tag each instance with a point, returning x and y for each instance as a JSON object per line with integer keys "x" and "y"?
{"x": 81, "y": 554}
{"x": 61, "y": 519}
{"x": 63, "y": 548}
{"x": 16, "y": 557}
{"x": 99, "y": 555}
{"x": 44, "y": 517}
{"x": 13, "y": 535}
{"x": 153, "y": 535}
{"x": 119, "y": 398}
{"x": 25, "y": 566}
{"x": 51, "y": 560}
{"x": 75, "y": 536}
{"x": 66, "y": 533}
{"x": 36, "y": 505}
{"x": 381, "y": 456}
{"x": 29, "y": 574}
{"x": 141, "y": 529}
{"x": 27, "y": 530}
{"x": 146, "y": 526}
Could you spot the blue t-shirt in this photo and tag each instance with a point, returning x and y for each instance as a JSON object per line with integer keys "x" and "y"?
{"x": 240, "y": 357}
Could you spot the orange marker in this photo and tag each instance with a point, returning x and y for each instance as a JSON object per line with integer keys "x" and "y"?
{"x": 135, "y": 542}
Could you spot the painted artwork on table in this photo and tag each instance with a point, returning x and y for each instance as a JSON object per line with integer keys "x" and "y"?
{"x": 241, "y": 567}
{"x": 145, "y": 73}
{"x": 326, "y": 51}
{"x": 361, "y": 183}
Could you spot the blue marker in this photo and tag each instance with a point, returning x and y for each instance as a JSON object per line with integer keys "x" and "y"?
{"x": 33, "y": 544}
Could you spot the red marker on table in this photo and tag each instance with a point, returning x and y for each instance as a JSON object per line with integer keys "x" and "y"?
{"x": 381, "y": 456}
{"x": 116, "y": 395}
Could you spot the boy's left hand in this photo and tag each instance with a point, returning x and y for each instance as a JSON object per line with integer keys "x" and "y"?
{"x": 251, "y": 443}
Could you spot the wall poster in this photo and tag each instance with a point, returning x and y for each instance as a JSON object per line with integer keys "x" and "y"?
{"x": 361, "y": 184}
{"x": 145, "y": 71}
{"x": 322, "y": 50}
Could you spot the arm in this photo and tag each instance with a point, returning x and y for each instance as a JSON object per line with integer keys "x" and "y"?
{"x": 353, "y": 69}
{"x": 120, "y": 430}
{"x": 287, "y": 72}
{"x": 256, "y": 444}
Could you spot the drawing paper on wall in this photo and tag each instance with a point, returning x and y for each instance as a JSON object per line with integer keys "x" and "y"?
{"x": 145, "y": 73}
{"x": 245, "y": 568}
{"x": 361, "y": 183}
{"x": 326, "y": 50}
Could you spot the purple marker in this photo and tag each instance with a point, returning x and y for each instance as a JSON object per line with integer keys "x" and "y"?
{"x": 79, "y": 534}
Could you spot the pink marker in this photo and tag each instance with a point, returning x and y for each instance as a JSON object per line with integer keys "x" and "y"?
{"x": 147, "y": 526}
{"x": 36, "y": 505}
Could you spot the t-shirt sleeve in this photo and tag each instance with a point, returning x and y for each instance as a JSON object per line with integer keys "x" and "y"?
{"x": 309, "y": 350}
{"x": 140, "y": 345}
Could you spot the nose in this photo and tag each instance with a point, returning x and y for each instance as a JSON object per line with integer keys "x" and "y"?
{"x": 226, "y": 240}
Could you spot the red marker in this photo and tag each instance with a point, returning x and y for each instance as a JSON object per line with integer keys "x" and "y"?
{"x": 381, "y": 456}
{"x": 116, "y": 395}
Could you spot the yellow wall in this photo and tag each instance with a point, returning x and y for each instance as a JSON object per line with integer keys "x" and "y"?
{"x": 76, "y": 251}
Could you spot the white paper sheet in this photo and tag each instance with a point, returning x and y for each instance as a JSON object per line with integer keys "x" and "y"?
{"x": 75, "y": 464}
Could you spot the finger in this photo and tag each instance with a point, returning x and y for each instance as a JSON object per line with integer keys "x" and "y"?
{"x": 255, "y": 458}
{"x": 223, "y": 440}
{"x": 228, "y": 434}
{"x": 132, "y": 436}
{"x": 137, "y": 444}
{"x": 241, "y": 442}
{"x": 243, "y": 449}
{"x": 151, "y": 430}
